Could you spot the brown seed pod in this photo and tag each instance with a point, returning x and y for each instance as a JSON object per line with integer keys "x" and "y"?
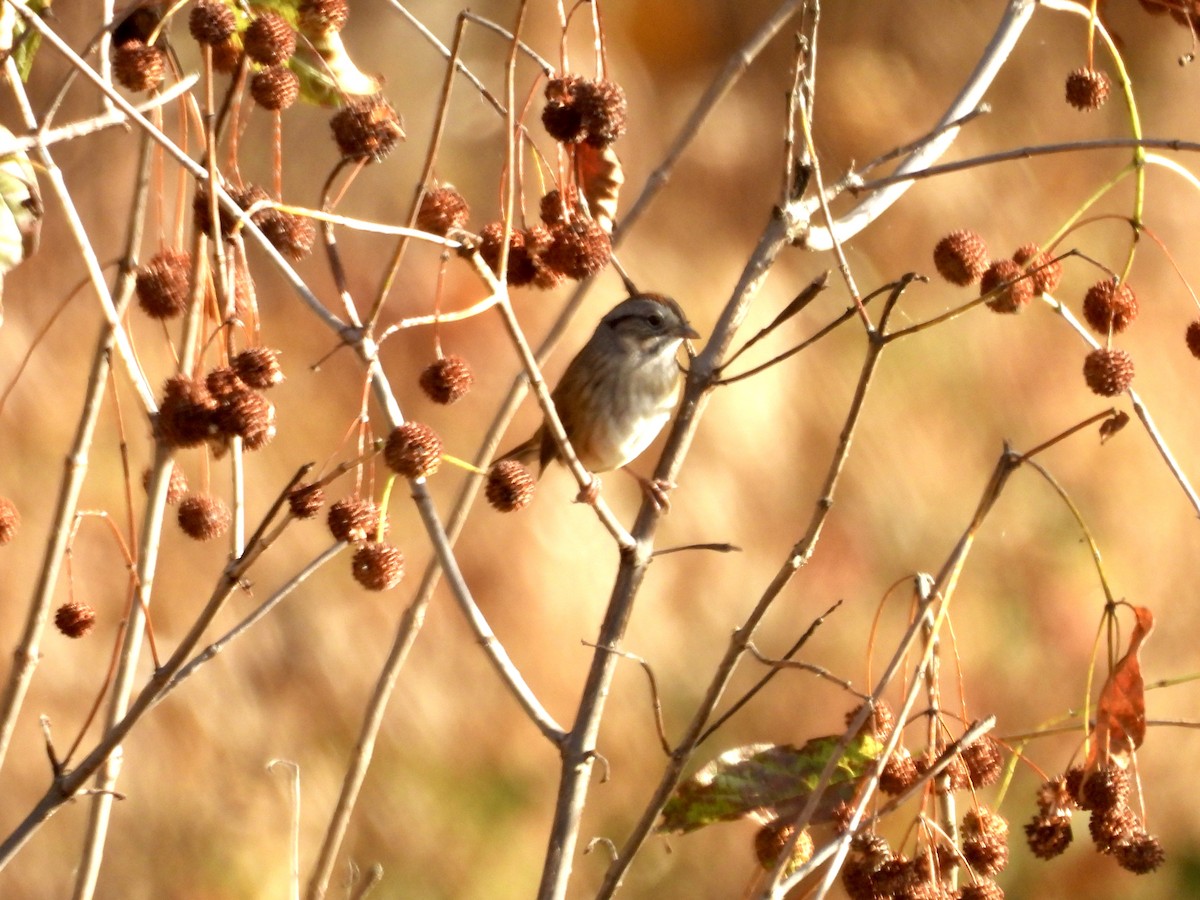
{"x": 985, "y": 841}
{"x": 223, "y": 382}
{"x": 537, "y": 241}
{"x": 10, "y": 520}
{"x": 1087, "y": 89}
{"x": 291, "y": 234}
{"x": 378, "y": 566}
{"x": 269, "y": 39}
{"x": 879, "y": 724}
{"x": 603, "y": 110}
{"x": 202, "y": 215}
{"x": 322, "y": 17}
{"x": 367, "y": 128}
{"x": 899, "y": 773}
{"x": 177, "y": 486}
{"x": 447, "y": 380}
{"x": 1111, "y": 827}
{"x": 163, "y": 284}
{"x": 983, "y": 889}
{"x": 75, "y": 619}
{"x": 1109, "y": 304}
{"x": 1045, "y": 271}
{"x": 578, "y": 249}
{"x": 522, "y": 268}
{"x": 1108, "y": 372}
{"x": 443, "y": 210}
{"x": 961, "y": 257}
{"x": 275, "y": 87}
{"x": 138, "y": 67}
{"x": 244, "y": 414}
{"x": 1140, "y": 853}
{"x": 554, "y": 211}
{"x": 305, "y": 500}
{"x": 1104, "y": 789}
{"x": 413, "y": 450}
{"x": 1010, "y": 299}
{"x": 985, "y": 762}
{"x": 561, "y": 115}
{"x": 1049, "y": 834}
{"x": 185, "y": 416}
{"x": 211, "y": 22}
{"x": 204, "y": 517}
{"x": 510, "y": 486}
{"x": 258, "y": 367}
{"x": 771, "y": 839}
{"x": 353, "y": 520}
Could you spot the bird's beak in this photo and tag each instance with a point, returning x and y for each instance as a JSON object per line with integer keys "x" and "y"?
{"x": 687, "y": 331}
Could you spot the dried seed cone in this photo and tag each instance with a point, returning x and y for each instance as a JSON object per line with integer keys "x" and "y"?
{"x": 269, "y": 39}
{"x": 185, "y": 416}
{"x": 1049, "y": 835}
{"x": 202, "y": 215}
{"x": 137, "y": 67}
{"x": 1110, "y": 828}
{"x": 75, "y": 619}
{"x": 258, "y": 367}
{"x": 984, "y": 761}
{"x": 223, "y": 382}
{"x": 275, "y": 87}
{"x": 1192, "y": 337}
{"x": 378, "y": 566}
{"x": 1011, "y": 298}
{"x": 443, "y": 210}
{"x": 163, "y": 284}
{"x": 537, "y": 241}
{"x": 879, "y": 724}
{"x": 770, "y": 840}
{"x": 366, "y": 128}
{"x": 554, "y": 211}
{"x": 603, "y": 109}
{"x": 961, "y": 257}
{"x": 291, "y": 234}
{"x": 1104, "y": 789}
{"x": 510, "y": 486}
{"x": 1045, "y": 271}
{"x": 1107, "y": 302}
{"x": 561, "y": 115}
{"x": 447, "y": 380}
{"x": 899, "y": 773}
{"x": 177, "y": 486}
{"x": 1087, "y": 89}
{"x": 985, "y": 889}
{"x": 578, "y": 249}
{"x": 323, "y": 16}
{"x": 413, "y": 450}
{"x": 211, "y": 22}
{"x": 353, "y": 520}
{"x": 1141, "y": 853}
{"x": 10, "y": 520}
{"x": 204, "y": 517}
{"x": 985, "y": 841}
{"x": 305, "y": 500}
{"x": 1108, "y": 372}
{"x": 522, "y": 268}
{"x": 246, "y": 414}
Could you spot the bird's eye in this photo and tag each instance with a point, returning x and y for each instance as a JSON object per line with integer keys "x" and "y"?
{"x": 655, "y": 320}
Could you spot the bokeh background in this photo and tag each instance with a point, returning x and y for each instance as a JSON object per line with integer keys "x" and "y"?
{"x": 459, "y": 798}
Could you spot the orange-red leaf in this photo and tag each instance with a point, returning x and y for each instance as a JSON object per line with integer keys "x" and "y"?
{"x": 1121, "y": 712}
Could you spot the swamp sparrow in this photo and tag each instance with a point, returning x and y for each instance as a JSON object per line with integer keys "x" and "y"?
{"x": 618, "y": 392}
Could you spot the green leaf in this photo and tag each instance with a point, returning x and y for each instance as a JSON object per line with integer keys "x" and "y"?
{"x": 327, "y": 73}
{"x": 776, "y": 779}
{"x": 18, "y": 38}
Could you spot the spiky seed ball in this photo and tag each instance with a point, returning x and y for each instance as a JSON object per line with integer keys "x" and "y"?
{"x": 985, "y": 841}
{"x": 1087, "y": 89}
{"x": 353, "y": 520}
{"x": 10, "y": 520}
{"x": 291, "y": 234}
{"x": 1105, "y": 788}
{"x": 510, "y": 486}
{"x": 177, "y": 485}
{"x": 75, "y": 619}
{"x": 984, "y": 889}
{"x": 1045, "y": 270}
{"x": 443, "y": 210}
{"x": 378, "y": 566}
{"x": 603, "y": 108}
{"x": 1111, "y": 827}
{"x": 880, "y": 723}
{"x": 578, "y": 249}
{"x": 202, "y": 217}
{"x": 521, "y": 266}
{"x": 204, "y": 517}
{"x": 211, "y": 22}
{"x": 1107, "y": 302}
{"x": 1141, "y": 853}
{"x": 770, "y": 840}
{"x": 269, "y": 39}
{"x": 275, "y": 87}
{"x": 185, "y": 416}
{"x": 413, "y": 450}
{"x": 1192, "y": 337}
{"x": 553, "y": 210}
{"x": 537, "y": 241}
{"x": 138, "y": 67}
{"x": 244, "y": 413}
{"x": 1012, "y": 298}
{"x": 1053, "y": 796}
{"x": 984, "y": 761}
{"x": 254, "y": 196}
{"x": 305, "y": 500}
{"x": 447, "y": 380}
{"x": 1049, "y": 834}
{"x": 961, "y": 257}
{"x": 258, "y": 367}
{"x": 322, "y": 17}
{"x": 223, "y": 382}
{"x": 163, "y": 284}
{"x": 1108, "y": 372}
{"x": 561, "y": 115}
{"x": 899, "y": 773}
{"x": 367, "y": 128}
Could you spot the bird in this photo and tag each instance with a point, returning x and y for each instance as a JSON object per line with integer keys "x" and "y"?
{"x": 618, "y": 392}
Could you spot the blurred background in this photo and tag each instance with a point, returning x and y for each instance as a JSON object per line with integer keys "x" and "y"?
{"x": 459, "y": 798}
